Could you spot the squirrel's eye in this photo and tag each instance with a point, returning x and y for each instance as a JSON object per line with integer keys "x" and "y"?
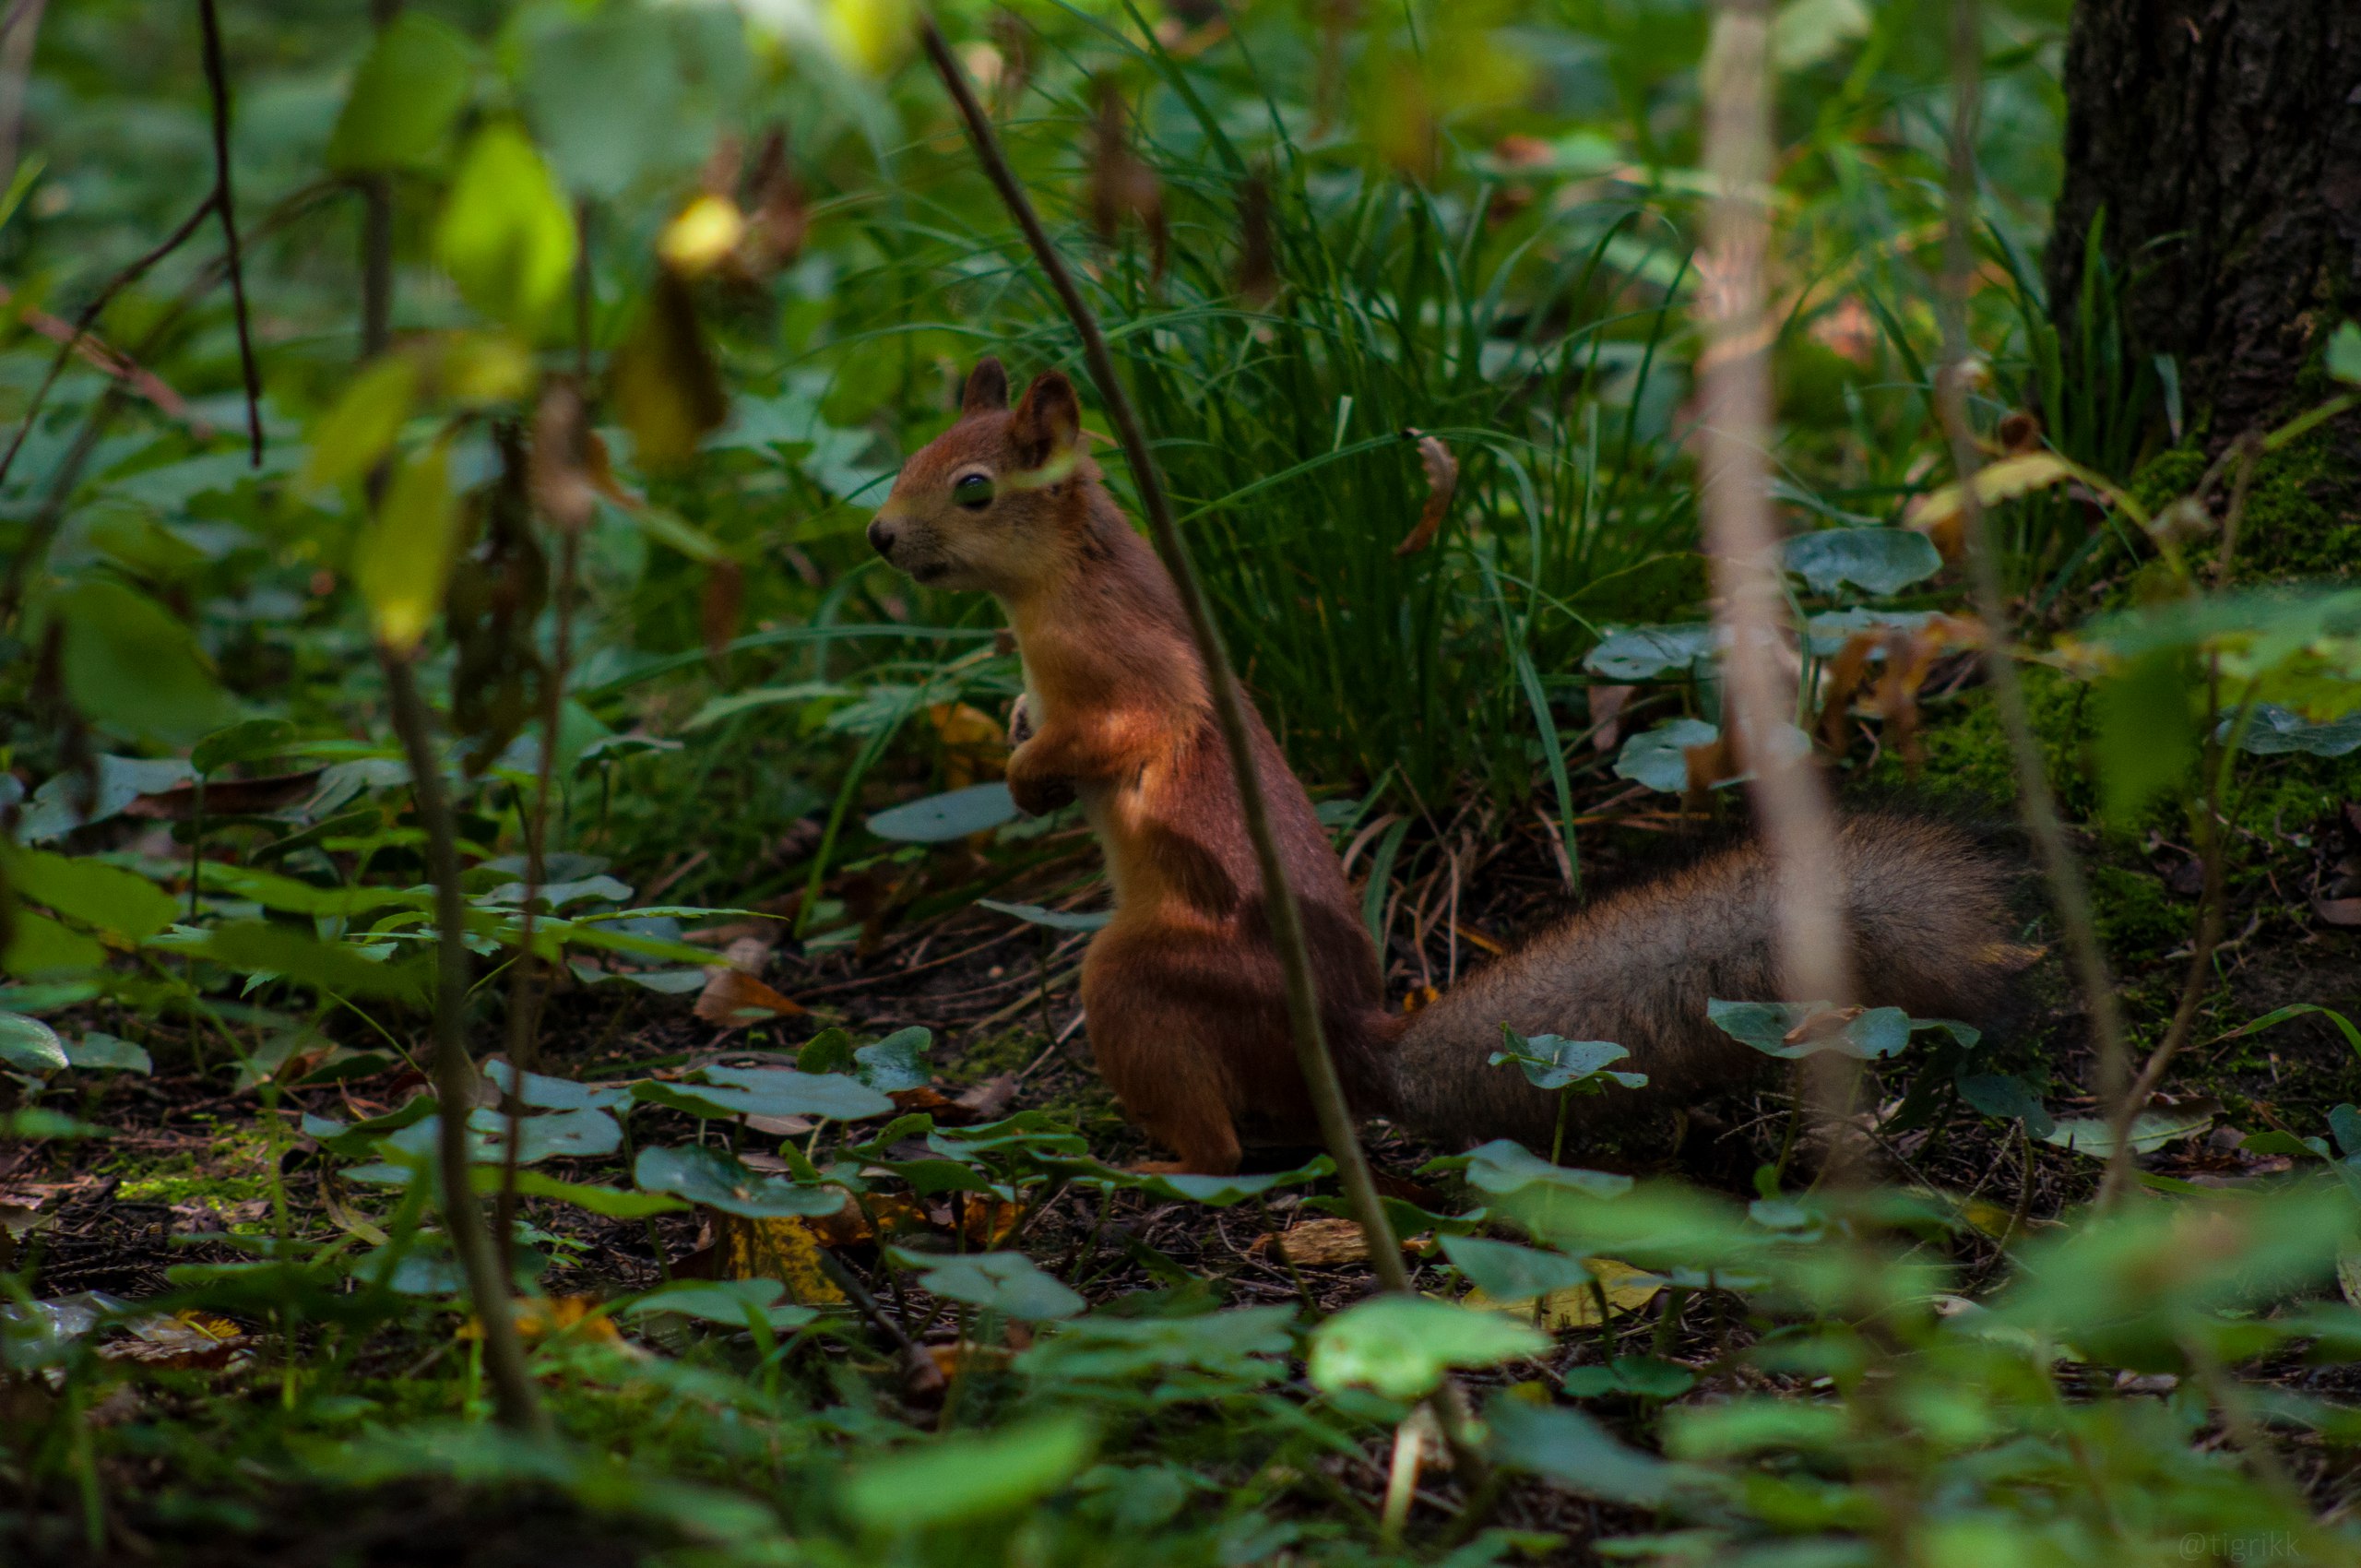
{"x": 975, "y": 492}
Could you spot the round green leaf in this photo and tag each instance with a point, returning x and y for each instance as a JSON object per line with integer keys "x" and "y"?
{"x": 28, "y": 1045}
{"x": 965, "y": 1478}
{"x": 939, "y": 818}
{"x": 1401, "y": 1346}
{"x": 718, "y": 1180}
{"x": 506, "y": 235}
{"x": 725, "y": 1302}
{"x": 1877, "y": 561}
{"x": 1005, "y": 1282}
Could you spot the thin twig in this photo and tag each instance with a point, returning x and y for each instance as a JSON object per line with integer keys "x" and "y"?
{"x": 1319, "y": 1069}
{"x": 2036, "y": 802}
{"x": 216, "y": 81}
{"x": 455, "y": 1073}
{"x": 75, "y": 338}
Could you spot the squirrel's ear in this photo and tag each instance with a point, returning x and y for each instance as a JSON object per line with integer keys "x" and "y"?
{"x": 1048, "y": 420}
{"x": 987, "y": 391}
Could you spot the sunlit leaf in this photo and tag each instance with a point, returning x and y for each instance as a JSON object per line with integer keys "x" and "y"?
{"x": 359, "y": 429}
{"x": 39, "y": 949}
{"x": 404, "y": 557}
{"x": 28, "y": 1045}
{"x": 506, "y": 235}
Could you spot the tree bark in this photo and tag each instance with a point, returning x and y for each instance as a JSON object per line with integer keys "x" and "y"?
{"x": 2221, "y": 138}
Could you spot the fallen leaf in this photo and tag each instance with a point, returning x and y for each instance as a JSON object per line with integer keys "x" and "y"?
{"x": 975, "y": 745}
{"x": 1627, "y": 1290}
{"x": 1442, "y": 478}
{"x": 723, "y": 601}
{"x": 1606, "y": 705}
{"x": 2338, "y": 911}
{"x": 182, "y": 1340}
{"x": 1121, "y": 185}
{"x": 226, "y": 797}
{"x": 1321, "y": 1244}
{"x": 787, "y": 1249}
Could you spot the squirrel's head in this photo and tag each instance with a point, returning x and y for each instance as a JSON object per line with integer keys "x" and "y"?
{"x": 988, "y": 504}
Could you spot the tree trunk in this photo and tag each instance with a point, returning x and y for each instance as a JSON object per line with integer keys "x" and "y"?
{"x": 2221, "y": 141}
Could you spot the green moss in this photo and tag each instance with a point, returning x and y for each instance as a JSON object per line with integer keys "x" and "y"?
{"x": 2300, "y": 520}
{"x": 1967, "y": 753}
{"x": 232, "y": 1169}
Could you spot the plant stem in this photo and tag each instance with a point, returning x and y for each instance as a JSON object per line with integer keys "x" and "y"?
{"x": 216, "y": 81}
{"x": 1319, "y": 1068}
{"x": 2036, "y": 802}
{"x": 455, "y": 1075}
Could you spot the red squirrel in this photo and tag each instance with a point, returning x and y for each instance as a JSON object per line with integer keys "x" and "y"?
{"x": 1183, "y": 989}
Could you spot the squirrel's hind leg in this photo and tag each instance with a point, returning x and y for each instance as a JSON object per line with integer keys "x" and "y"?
{"x": 1173, "y": 1081}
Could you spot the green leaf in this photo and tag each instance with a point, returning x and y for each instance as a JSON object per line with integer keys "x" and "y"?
{"x": 1657, "y": 757}
{"x": 335, "y": 968}
{"x": 897, "y": 1061}
{"x": 58, "y": 807}
{"x": 1401, "y": 1346}
{"x": 1506, "y": 1272}
{"x": 2147, "y": 736}
{"x": 39, "y": 1121}
{"x": 959, "y": 1480}
{"x": 725, "y": 1302}
{"x": 1643, "y": 1375}
{"x": 104, "y": 1053}
{"x": 2150, "y": 1130}
{"x": 404, "y": 557}
{"x": 93, "y": 893}
{"x": 1568, "y": 1447}
{"x": 2345, "y": 354}
{"x": 39, "y": 949}
{"x": 782, "y": 1091}
{"x": 572, "y": 1135}
{"x": 361, "y": 426}
{"x": 409, "y": 90}
{"x": 133, "y": 669}
{"x": 830, "y": 1050}
{"x": 1805, "y": 32}
{"x": 940, "y": 819}
{"x": 1005, "y": 1282}
{"x": 1056, "y": 920}
{"x": 2275, "y": 730}
{"x": 612, "y": 1202}
{"x": 718, "y": 1180}
{"x": 1877, "y": 561}
{"x": 506, "y": 235}
{"x": 1642, "y": 653}
{"x": 28, "y": 1045}
{"x": 1502, "y": 1166}
{"x": 2009, "y": 1098}
{"x": 247, "y": 741}
{"x": 1237, "y": 1346}
{"x": 603, "y": 92}
{"x": 1874, "y": 1032}
{"x": 557, "y": 1094}
{"x": 667, "y": 390}
{"x": 1552, "y": 1061}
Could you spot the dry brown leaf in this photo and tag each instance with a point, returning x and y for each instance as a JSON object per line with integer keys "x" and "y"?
{"x": 1822, "y": 1025}
{"x": 225, "y": 797}
{"x": 1322, "y": 1244}
{"x": 1442, "y": 478}
{"x": 786, "y": 1249}
{"x": 2338, "y": 911}
{"x": 1121, "y": 185}
{"x": 733, "y": 999}
{"x": 721, "y": 606}
{"x": 975, "y": 745}
{"x": 989, "y": 1098}
{"x": 781, "y": 215}
{"x": 188, "y": 1338}
{"x": 556, "y": 471}
{"x": 1606, "y": 705}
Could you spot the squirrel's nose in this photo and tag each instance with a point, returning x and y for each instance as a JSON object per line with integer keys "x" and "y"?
{"x": 880, "y": 537}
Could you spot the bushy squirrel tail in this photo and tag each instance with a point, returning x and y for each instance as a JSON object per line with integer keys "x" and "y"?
{"x": 1926, "y": 913}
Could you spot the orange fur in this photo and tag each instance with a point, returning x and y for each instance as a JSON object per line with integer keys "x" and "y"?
{"x": 1183, "y": 993}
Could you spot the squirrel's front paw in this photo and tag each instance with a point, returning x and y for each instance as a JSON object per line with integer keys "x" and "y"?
{"x": 1020, "y": 719}
{"x": 1037, "y": 794}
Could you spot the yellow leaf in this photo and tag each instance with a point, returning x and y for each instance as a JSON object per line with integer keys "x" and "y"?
{"x": 702, "y": 237}
{"x": 870, "y": 34}
{"x": 542, "y": 1317}
{"x": 360, "y": 428}
{"x": 666, "y": 388}
{"x": 506, "y": 235}
{"x": 404, "y": 558}
{"x": 786, "y": 1249}
{"x": 1626, "y": 1289}
{"x": 1936, "y": 515}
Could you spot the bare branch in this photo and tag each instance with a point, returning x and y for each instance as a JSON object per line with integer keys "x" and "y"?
{"x": 217, "y": 82}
